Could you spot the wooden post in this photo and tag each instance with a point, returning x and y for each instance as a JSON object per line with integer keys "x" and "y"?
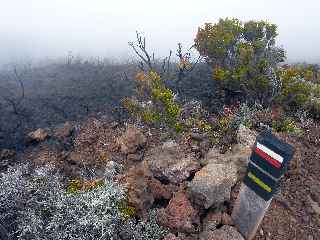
{"x": 268, "y": 162}
{"x": 249, "y": 211}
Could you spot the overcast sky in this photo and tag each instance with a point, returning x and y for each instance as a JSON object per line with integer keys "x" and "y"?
{"x": 51, "y": 28}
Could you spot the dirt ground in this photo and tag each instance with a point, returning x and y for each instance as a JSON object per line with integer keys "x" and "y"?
{"x": 295, "y": 211}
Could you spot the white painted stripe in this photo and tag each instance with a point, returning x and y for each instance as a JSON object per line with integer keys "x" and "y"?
{"x": 270, "y": 152}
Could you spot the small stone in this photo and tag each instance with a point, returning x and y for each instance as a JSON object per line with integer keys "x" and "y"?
{"x": 315, "y": 191}
{"x": 314, "y": 206}
{"x": 212, "y": 184}
{"x": 226, "y": 219}
{"x": 7, "y": 153}
{"x": 135, "y": 157}
{"x": 37, "y": 136}
{"x": 179, "y": 215}
{"x": 198, "y": 136}
{"x": 114, "y": 124}
{"x": 261, "y": 232}
{"x": 211, "y": 221}
{"x": 195, "y": 148}
{"x": 204, "y": 147}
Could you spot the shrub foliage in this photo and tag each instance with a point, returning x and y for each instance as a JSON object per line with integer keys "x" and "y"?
{"x": 243, "y": 56}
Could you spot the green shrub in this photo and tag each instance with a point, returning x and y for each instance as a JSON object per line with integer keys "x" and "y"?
{"x": 299, "y": 91}
{"x": 157, "y": 103}
{"x": 295, "y": 91}
{"x": 243, "y": 56}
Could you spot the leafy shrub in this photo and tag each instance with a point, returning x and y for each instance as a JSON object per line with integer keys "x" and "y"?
{"x": 299, "y": 90}
{"x": 157, "y": 103}
{"x": 43, "y": 209}
{"x": 287, "y": 125}
{"x": 295, "y": 92}
{"x": 243, "y": 56}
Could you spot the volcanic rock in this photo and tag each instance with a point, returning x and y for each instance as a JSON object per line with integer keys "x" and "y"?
{"x": 131, "y": 140}
{"x": 212, "y": 184}
{"x": 179, "y": 215}
{"x": 169, "y": 163}
{"x": 223, "y": 233}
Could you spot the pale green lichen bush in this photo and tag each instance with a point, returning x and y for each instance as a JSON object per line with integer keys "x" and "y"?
{"x": 39, "y": 207}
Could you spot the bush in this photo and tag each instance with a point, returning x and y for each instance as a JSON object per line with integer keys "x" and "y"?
{"x": 243, "y": 56}
{"x": 43, "y": 209}
{"x": 295, "y": 91}
{"x": 299, "y": 90}
{"x": 157, "y": 103}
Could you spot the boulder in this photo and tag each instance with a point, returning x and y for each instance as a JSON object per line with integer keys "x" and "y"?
{"x": 170, "y": 163}
{"x": 223, "y": 233}
{"x": 212, "y": 184}
{"x": 238, "y": 156}
{"x": 37, "y": 136}
{"x": 131, "y": 140}
{"x": 179, "y": 215}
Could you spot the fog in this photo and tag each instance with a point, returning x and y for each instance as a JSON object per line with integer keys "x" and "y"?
{"x": 42, "y": 29}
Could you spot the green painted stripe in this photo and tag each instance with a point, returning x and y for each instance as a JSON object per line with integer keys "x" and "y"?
{"x": 259, "y": 182}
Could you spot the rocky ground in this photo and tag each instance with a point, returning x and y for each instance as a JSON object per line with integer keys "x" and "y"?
{"x": 191, "y": 184}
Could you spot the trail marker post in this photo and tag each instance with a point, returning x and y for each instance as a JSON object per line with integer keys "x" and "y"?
{"x": 268, "y": 162}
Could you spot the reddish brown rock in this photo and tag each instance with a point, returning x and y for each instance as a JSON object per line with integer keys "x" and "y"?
{"x": 159, "y": 190}
{"x": 139, "y": 192}
{"x": 179, "y": 215}
{"x": 131, "y": 140}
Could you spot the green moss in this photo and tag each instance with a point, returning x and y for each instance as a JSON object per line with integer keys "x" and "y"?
{"x": 288, "y": 125}
{"x": 127, "y": 211}
{"x": 74, "y": 186}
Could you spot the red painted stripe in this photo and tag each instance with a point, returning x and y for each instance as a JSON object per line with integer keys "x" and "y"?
{"x": 268, "y": 158}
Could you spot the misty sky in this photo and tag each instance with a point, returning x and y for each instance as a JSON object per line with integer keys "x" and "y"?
{"x": 52, "y": 28}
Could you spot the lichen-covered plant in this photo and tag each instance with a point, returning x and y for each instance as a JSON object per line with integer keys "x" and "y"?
{"x": 38, "y": 207}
